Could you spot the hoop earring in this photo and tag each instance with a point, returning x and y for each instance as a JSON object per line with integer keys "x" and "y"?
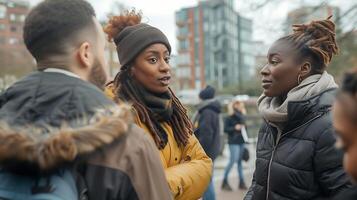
{"x": 299, "y": 79}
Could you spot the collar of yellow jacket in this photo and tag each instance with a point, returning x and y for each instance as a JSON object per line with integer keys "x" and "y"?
{"x": 109, "y": 91}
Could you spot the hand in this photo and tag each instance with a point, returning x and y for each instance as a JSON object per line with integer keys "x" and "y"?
{"x": 238, "y": 127}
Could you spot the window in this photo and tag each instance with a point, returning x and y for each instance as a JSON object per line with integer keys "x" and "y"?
{"x": 13, "y": 28}
{"x": 22, "y": 18}
{"x": 196, "y": 15}
{"x": 2, "y": 11}
{"x": 11, "y": 4}
{"x": 12, "y": 17}
{"x": 2, "y": 27}
{"x": 183, "y": 45}
{"x": 205, "y": 27}
{"x": 181, "y": 16}
{"x": 183, "y": 59}
{"x": 13, "y": 41}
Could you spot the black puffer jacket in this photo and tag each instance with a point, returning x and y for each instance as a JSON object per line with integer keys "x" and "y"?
{"x": 234, "y": 136}
{"x": 117, "y": 159}
{"x": 304, "y": 163}
{"x": 208, "y": 129}
{"x": 349, "y": 194}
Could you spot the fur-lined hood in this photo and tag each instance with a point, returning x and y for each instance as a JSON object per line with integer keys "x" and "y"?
{"x": 46, "y": 150}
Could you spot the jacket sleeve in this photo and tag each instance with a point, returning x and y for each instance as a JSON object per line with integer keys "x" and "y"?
{"x": 190, "y": 179}
{"x": 250, "y": 192}
{"x": 328, "y": 165}
{"x": 130, "y": 169}
{"x": 208, "y": 126}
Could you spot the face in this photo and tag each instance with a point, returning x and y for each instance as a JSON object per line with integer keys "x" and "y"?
{"x": 151, "y": 68}
{"x": 281, "y": 72}
{"x": 237, "y": 106}
{"x": 347, "y": 132}
{"x": 98, "y": 70}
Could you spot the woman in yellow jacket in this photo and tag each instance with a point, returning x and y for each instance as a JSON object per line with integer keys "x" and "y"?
{"x": 143, "y": 81}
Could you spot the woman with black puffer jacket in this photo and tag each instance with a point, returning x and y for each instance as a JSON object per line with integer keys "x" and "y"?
{"x": 296, "y": 154}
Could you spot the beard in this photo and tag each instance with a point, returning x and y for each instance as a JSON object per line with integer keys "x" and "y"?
{"x": 97, "y": 75}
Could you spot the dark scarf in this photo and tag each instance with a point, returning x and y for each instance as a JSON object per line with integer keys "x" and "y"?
{"x": 159, "y": 105}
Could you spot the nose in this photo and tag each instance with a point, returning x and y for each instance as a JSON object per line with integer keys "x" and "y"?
{"x": 265, "y": 70}
{"x": 164, "y": 67}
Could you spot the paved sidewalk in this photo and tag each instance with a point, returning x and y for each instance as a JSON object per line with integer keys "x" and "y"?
{"x": 220, "y": 164}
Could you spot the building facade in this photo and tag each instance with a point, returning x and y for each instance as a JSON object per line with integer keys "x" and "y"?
{"x": 214, "y": 45}
{"x": 14, "y": 57}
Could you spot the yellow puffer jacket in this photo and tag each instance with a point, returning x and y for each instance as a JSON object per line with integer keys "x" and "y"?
{"x": 188, "y": 169}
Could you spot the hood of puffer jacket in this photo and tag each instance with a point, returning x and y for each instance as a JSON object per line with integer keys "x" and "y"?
{"x": 36, "y": 150}
{"x": 49, "y": 119}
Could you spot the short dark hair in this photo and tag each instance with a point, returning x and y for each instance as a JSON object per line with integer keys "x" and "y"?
{"x": 53, "y": 23}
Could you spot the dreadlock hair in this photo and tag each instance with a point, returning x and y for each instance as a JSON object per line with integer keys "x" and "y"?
{"x": 347, "y": 94}
{"x": 315, "y": 41}
{"x": 179, "y": 121}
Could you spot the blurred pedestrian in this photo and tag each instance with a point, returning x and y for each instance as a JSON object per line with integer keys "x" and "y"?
{"x": 345, "y": 123}
{"x": 57, "y": 127}
{"x": 207, "y": 124}
{"x": 296, "y": 156}
{"x": 235, "y": 127}
{"x": 143, "y": 80}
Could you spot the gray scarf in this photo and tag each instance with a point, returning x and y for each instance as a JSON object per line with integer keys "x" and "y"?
{"x": 275, "y": 110}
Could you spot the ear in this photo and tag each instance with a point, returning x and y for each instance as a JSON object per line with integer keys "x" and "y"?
{"x": 132, "y": 70}
{"x": 305, "y": 69}
{"x": 84, "y": 55}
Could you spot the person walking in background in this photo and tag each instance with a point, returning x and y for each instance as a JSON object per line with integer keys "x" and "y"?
{"x": 143, "y": 80}
{"x": 234, "y": 127}
{"x": 57, "y": 120}
{"x": 207, "y": 124}
{"x": 345, "y": 123}
{"x": 296, "y": 155}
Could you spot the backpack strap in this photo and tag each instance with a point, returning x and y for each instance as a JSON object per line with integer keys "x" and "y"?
{"x": 46, "y": 188}
{"x": 80, "y": 183}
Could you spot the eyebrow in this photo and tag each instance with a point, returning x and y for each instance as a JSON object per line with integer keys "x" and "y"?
{"x": 273, "y": 54}
{"x": 155, "y": 52}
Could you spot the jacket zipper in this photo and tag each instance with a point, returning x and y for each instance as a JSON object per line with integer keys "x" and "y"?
{"x": 274, "y": 149}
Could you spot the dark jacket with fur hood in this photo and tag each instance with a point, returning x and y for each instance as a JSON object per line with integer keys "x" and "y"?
{"x": 49, "y": 120}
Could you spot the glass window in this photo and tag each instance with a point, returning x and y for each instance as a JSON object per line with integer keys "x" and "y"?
{"x": 205, "y": 27}
{"x": 2, "y": 27}
{"x": 181, "y": 16}
{"x": 13, "y": 41}
{"x": 2, "y": 11}
{"x": 12, "y": 17}
{"x": 11, "y": 4}
{"x": 22, "y": 18}
{"x": 183, "y": 44}
{"x": 196, "y": 15}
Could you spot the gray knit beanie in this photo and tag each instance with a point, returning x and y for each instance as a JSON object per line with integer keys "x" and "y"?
{"x": 134, "y": 39}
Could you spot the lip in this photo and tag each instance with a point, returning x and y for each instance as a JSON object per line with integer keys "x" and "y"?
{"x": 165, "y": 80}
{"x": 266, "y": 83}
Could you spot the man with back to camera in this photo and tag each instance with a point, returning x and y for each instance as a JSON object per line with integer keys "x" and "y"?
{"x": 58, "y": 117}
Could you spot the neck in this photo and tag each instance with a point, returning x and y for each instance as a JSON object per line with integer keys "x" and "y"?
{"x": 42, "y": 65}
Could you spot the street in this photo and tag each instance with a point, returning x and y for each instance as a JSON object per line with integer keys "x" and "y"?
{"x": 220, "y": 164}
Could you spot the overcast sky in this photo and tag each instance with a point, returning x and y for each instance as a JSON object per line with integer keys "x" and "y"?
{"x": 161, "y": 13}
